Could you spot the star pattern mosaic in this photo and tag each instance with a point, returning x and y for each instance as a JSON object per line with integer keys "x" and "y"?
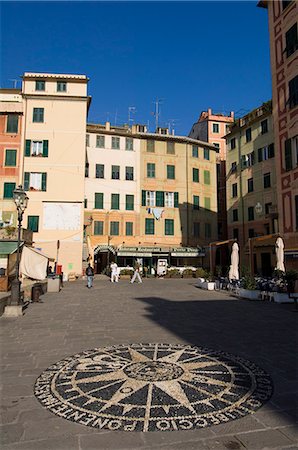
{"x": 153, "y": 387}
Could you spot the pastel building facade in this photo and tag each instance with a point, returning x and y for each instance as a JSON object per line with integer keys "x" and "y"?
{"x": 53, "y": 146}
{"x": 282, "y": 17}
{"x": 251, "y": 188}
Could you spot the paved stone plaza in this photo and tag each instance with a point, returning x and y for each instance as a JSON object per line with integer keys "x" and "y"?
{"x": 189, "y": 369}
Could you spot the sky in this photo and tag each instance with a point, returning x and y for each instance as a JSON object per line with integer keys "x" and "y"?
{"x": 190, "y": 55}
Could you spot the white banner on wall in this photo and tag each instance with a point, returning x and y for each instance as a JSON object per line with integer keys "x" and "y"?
{"x": 61, "y": 216}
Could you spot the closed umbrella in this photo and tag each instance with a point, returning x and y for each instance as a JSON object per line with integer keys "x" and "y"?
{"x": 279, "y": 250}
{"x": 234, "y": 270}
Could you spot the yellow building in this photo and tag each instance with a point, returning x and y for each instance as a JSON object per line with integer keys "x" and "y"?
{"x": 54, "y": 132}
{"x": 251, "y": 187}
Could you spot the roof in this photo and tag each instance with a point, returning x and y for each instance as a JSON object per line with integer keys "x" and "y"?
{"x": 7, "y": 248}
{"x": 55, "y": 76}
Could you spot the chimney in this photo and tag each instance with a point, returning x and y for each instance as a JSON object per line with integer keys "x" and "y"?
{"x": 209, "y": 111}
{"x": 232, "y": 114}
{"x": 108, "y": 126}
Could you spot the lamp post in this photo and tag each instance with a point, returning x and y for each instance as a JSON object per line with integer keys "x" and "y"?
{"x": 21, "y": 200}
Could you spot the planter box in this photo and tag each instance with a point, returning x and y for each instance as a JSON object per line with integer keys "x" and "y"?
{"x": 208, "y": 285}
{"x": 249, "y": 294}
{"x": 281, "y": 297}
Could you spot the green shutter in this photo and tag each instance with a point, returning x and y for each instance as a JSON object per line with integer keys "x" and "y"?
{"x": 149, "y": 226}
{"x": 176, "y": 199}
{"x": 33, "y": 222}
{"x": 207, "y": 203}
{"x": 11, "y": 158}
{"x": 143, "y": 198}
{"x": 28, "y": 147}
{"x": 45, "y": 148}
{"x": 129, "y": 228}
{"x": 8, "y": 190}
{"x": 26, "y": 181}
{"x": 195, "y": 175}
{"x": 160, "y": 198}
{"x": 44, "y": 181}
{"x": 206, "y": 177}
{"x": 129, "y": 202}
{"x": 98, "y": 227}
{"x": 288, "y": 155}
{"x": 260, "y": 154}
{"x": 115, "y": 201}
{"x": 98, "y": 200}
{"x": 169, "y": 227}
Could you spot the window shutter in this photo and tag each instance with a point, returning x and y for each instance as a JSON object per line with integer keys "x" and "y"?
{"x": 27, "y": 147}
{"x": 98, "y": 200}
{"x": 160, "y": 198}
{"x": 260, "y": 154}
{"x": 44, "y": 181}
{"x": 45, "y": 148}
{"x": 176, "y": 199}
{"x": 288, "y": 155}
{"x": 26, "y": 181}
{"x": 271, "y": 151}
{"x": 143, "y": 198}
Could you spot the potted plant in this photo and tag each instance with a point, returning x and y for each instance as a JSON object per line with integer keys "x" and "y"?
{"x": 126, "y": 274}
{"x": 187, "y": 273}
{"x": 175, "y": 273}
{"x": 249, "y": 288}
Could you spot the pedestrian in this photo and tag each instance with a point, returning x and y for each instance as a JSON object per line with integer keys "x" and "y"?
{"x": 90, "y": 275}
{"x": 136, "y": 274}
{"x": 114, "y": 272}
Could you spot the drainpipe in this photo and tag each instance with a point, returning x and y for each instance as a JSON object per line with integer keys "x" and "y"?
{"x": 241, "y": 191}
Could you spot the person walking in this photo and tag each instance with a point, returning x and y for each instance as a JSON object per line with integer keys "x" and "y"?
{"x": 114, "y": 272}
{"x": 136, "y": 274}
{"x": 90, "y": 275}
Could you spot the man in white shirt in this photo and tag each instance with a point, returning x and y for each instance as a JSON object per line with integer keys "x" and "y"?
{"x": 114, "y": 272}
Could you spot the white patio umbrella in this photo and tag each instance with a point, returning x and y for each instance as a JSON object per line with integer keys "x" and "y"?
{"x": 234, "y": 271}
{"x": 279, "y": 250}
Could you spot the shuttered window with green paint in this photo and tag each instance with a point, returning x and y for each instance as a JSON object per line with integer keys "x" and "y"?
{"x": 98, "y": 228}
{"x": 207, "y": 203}
{"x": 38, "y": 115}
{"x": 170, "y": 172}
{"x": 114, "y": 228}
{"x": 160, "y": 198}
{"x": 12, "y": 123}
{"x": 8, "y": 190}
{"x": 129, "y": 202}
{"x": 196, "y": 202}
{"x": 33, "y": 223}
{"x": 128, "y": 228}
{"x": 176, "y": 199}
{"x": 10, "y": 158}
{"x": 115, "y": 201}
{"x": 44, "y": 181}
{"x": 143, "y": 198}
{"x": 149, "y": 226}
{"x": 195, "y": 175}
{"x": 98, "y": 200}
{"x": 150, "y": 170}
{"x": 206, "y": 177}
{"x": 169, "y": 227}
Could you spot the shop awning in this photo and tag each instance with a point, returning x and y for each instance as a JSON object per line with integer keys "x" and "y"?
{"x": 187, "y": 252}
{"x": 291, "y": 253}
{"x": 7, "y": 248}
{"x": 104, "y": 248}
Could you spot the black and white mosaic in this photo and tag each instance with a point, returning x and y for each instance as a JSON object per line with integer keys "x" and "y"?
{"x": 153, "y": 387}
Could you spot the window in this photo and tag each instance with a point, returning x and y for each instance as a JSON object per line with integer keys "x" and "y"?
{"x": 98, "y": 228}
{"x": 169, "y": 227}
{"x": 267, "y": 228}
{"x": 271, "y": 151}
{"x": 35, "y": 181}
{"x": 150, "y": 170}
{"x": 114, "y": 228}
{"x": 195, "y": 175}
{"x": 250, "y": 185}
{"x": 128, "y": 228}
{"x": 288, "y": 155}
{"x": 40, "y": 85}
{"x": 291, "y": 40}
{"x": 159, "y": 198}
{"x": 196, "y": 229}
{"x": 129, "y": 144}
{"x": 196, "y": 202}
{"x": 98, "y": 200}
{"x": 206, "y": 177}
{"x": 267, "y": 180}
{"x": 86, "y": 169}
{"x": 129, "y": 202}
{"x": 296, "y": 211}
{"x": 233, "y": 143}
{"x": 115, "y": 142}
{"x": 10, "y": 158}
{"x": 115, "y": 201}
{"x": 267, "y": 208}
{"x": 195, "y": 151}
{"x": 235, "y": 215}
{"x": 207, "y": 153}
{"x": 8, "y": 190}
{"x": 248, "y": 134}
{"x": 115, "y": 172}
{"x": 216, "y": 144}
{"x": 264, "y": 126}
{"x": 100, "y": 141}
{"x": 36, "y": 148}
{"x": 227, "y": 128}
{"x": 61, "y": 86}
{"x": 129, "y": 173}
{"x": 12, "y": 123}
{"x": 215, "y": 128}
{"x": 149, "y": 226}
{"x": 251, "y": 213}
{"x": 87, "y": 140}
{"x": 150, "y": 198}
{"x": 150, "y": 146}
{"x": 207, "y": 230}
{"x": 234, "y": 190}
{"x": 235, "y": 233}
{"x": 207, "y": 203}
{"x": 169, "y": 199}
{"x": 33, "y": 222}
{"x": 251, "y": 232}
{"x": 85, "y": 202}
{"x": 99, "y": 171}
{"x": 266, "y": 152}
{"x": 171, "y": 148}
{"x": 171, "y": 172}
{"x": 233, "y": 167}
{"x": 38, "y": 115}
{"x": 293, "y": 92}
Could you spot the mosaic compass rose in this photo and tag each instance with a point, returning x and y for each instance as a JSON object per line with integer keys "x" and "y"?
{"x": 151, "y": 387}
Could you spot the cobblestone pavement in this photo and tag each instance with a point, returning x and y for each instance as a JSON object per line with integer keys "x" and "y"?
{"x": 158, "y": 311}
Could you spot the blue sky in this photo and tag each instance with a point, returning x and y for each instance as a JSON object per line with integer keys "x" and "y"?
{"x": 192, "y": 55}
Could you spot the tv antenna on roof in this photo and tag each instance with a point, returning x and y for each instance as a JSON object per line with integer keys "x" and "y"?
{"x": 157, "y": 111}
{"x": 131, "y": 111}
{"x": 15, "y": 82}
{"x": 171, "y": 125}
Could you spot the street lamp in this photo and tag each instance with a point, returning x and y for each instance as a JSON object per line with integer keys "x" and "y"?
{"x": 21, "y": 200}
